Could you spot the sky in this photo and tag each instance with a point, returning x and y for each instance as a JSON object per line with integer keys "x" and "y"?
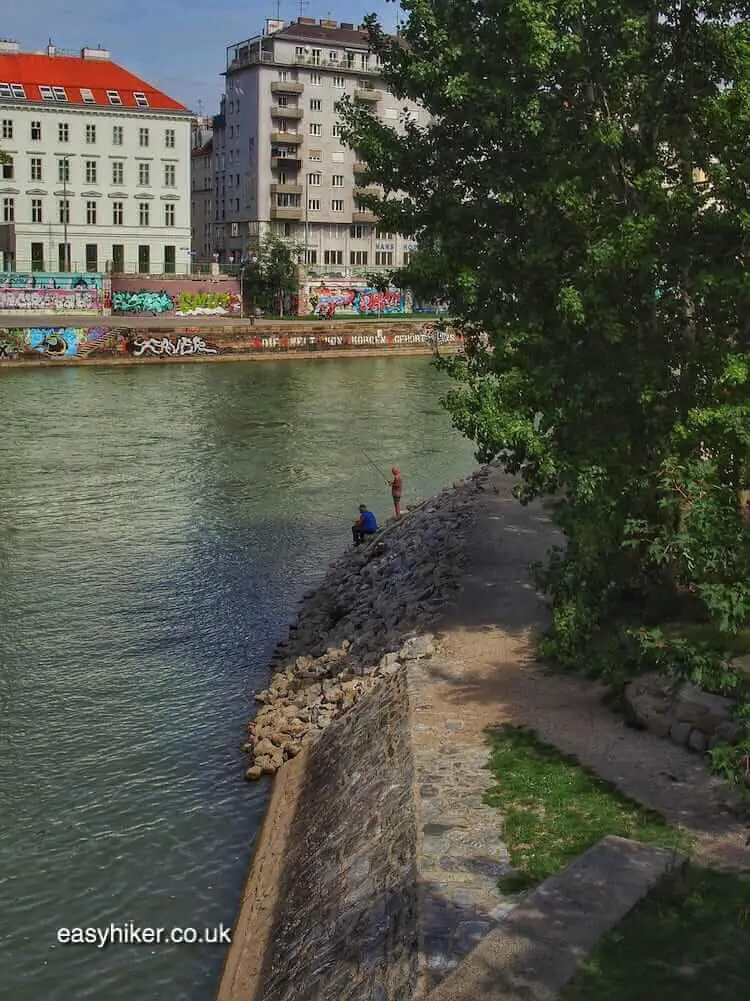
{"x": 179, "y": 46}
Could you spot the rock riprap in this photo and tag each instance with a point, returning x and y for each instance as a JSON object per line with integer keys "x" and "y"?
{"x": 370, "y": 616}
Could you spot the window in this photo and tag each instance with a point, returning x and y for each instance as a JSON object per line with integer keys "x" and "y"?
{"x": 140, "y": 99}
{"x": 337, "y": 205}
{"x": 333, "y": 56}
{"x": 90, "y": 134}
{"x": 63, "y": 257}
{"x": 337, "y": 181}
{"x": 143, "y": 137}
{"x": 35, "y": 165}
{"x": 91, "y": 213}
{"x": 143, "y": 213}
{"x": 144, "y": 259}
{"x": 333, "y": 257}
{"x": 357, "y": 232}
{"x": 169, "y": 215}
{"x": 299, "y": 52}
{"x": 313, "y": 204}
{"x": 169, "y": 138}
{"x": 87, "y": 96}
{"x": 7, "y": 171}
{"x": 63, "y": 132}
{"x": 315, "y": 57}
{"x": 169, "y": 175}
{"x": 314, "y": 180}
{"x": 234, "y": 229}
{"x": 64, "y": 207}
{"x": 7, "y": 128}
{"x": 144, "y": 173}
{"x": 63, "y": 170}
{"x": 118, "y": 172}
{"x": 339, "y": 82}
{"x": 364, "y": 59}
{"x": 117, "y": 132}
{"x": 12, "y": 90}
{"x": 336, "y": 130}
{"x": 358, "y": 257}
{"x": 170, "y": 259}
{"x": 316, "y": 104}
{"x": 91, "y": 172}
{"x": 59, "y": 93}
{"x": 117, "y": 213}
{"x": 36, "y": 131}
{"x": 384, "y": 257}
{"x": 36, "y": 210}
{"x": 316, "y": 129}
{"x": 315, "y": 155}
{"x": 118, "y": 258}
{"x": 37, "y": 257}
{"x": 315, "y": 79}
{"x": 113, "y": 97}
{"x": 9, "y": 209}
{"x": 46, "y": 93}
{"x": 92, "y": 257}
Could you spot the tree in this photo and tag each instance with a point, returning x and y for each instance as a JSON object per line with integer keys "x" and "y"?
{"x": 272, "y": 276}
{"x": 584, "y": 188}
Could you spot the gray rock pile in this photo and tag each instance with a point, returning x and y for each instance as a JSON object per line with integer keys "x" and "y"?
{"x": 370, "y": 617}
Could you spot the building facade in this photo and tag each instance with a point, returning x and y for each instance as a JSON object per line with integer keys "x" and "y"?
{"x": 98, "y": 177}
{"x": 280, "y": 165}
{"x": 202, "y": 191}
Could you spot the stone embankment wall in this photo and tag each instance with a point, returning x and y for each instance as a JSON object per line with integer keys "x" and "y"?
{"x": 330, "y": 911}
{"x": 683, "y": 713}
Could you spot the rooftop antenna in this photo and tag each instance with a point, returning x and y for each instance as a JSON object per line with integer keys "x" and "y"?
{"x": 303, "y": 5}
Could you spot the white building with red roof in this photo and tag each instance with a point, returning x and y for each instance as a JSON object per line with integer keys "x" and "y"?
{"x": 98, "y": 163}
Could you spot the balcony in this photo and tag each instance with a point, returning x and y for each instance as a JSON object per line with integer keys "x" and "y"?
{"x": 290, "y": 163}
{"x": 364, "y": 215}
{"x": 287, "y": 138}
{"x": 287, "y": 87}
{"x": 280, "y": 111}
{"x": 368, "y": 94}
{"x": 369, "y": 190}
{"x": 286, "y": 189}
{"x": 360, "y": 168}
{"x": 286, "y": 212}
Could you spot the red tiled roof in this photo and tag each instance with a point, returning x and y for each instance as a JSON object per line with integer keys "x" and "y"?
{"x": 73, "y": 73}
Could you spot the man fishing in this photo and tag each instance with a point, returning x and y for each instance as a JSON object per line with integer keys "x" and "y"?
{"x": 395, "y": 485}
{"x": 365, "y": 525}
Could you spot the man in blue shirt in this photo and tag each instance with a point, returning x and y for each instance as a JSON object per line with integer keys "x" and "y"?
{"x": 366, "y": 524}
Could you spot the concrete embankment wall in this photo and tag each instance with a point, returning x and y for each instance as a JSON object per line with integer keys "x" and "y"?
{"x": 330, "y": 911}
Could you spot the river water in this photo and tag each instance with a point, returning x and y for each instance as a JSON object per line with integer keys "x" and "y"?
{"x": 157, "y": 526}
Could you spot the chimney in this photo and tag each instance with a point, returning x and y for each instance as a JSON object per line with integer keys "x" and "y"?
{"x": 51, "y": 49}
{"x": 100, "y": 53}
{"x": 328, "y": 24}
{"x": 8, "y": 45}
{"x": 306, "y": 20}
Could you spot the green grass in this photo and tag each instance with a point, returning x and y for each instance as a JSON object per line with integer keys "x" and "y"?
{"x": 553, "y": 809}
{"x": 690, "y": 943}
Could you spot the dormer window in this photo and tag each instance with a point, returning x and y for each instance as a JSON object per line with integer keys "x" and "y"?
{"x": 113, "y": 96}
{"x": 16, "y": 90}
{"x": 140, "y": 99}
{"x": 46, "y": 93}
{"x": 87, "y": 96}
{"x": 59, "y": 93}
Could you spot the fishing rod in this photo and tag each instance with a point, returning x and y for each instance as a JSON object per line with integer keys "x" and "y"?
{"x": 375, "y": 465}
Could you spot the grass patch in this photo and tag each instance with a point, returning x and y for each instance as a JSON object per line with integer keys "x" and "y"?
{"x": 553, "y": 809}
{"x": 687, "y": 944}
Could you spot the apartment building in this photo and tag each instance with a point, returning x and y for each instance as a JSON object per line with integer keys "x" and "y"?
{"x": 202, "y": 190}
{"x": 279, "y": 162}
{"x": 98, "y": 176}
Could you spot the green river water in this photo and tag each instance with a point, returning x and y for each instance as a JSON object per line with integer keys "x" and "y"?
{"x": 157, "y": 527}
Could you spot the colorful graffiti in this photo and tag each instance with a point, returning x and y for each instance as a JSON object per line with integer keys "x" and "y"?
{"x": 61, "y": 342}
{"x": 166, "y": 346}
{"x": 328, "y": 301}
{"x": 183, "y": 303}
{"x": 53, "y": 293}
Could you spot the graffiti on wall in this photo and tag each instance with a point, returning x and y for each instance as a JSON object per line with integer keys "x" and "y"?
{"x": 184, "y": 303}
{"x": 170, "y": 347}
{"x": 61, "y": 342}
{"x": 52, "y": 293}
{"x": 326, "y": 301}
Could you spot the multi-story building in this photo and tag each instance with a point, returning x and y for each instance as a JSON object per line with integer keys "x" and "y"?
{"x": 98, "y": 176}
{"x": 202, "y": 191}
{"x": 279, "y": 160}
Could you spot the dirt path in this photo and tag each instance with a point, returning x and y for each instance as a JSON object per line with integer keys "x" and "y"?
{"x": 485, "y": 674}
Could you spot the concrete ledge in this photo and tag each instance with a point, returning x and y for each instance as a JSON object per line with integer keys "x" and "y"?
{"x": 537, "y": 949}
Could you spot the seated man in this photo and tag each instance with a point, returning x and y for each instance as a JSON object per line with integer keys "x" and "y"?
{"x": 364, "y": 525}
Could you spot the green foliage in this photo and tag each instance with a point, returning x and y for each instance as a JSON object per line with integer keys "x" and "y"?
{"x": 271, "y": 277}
{"x": 582, "y": 191}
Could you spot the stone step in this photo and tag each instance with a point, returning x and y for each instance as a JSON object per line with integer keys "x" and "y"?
{"x": 535, "y": 951}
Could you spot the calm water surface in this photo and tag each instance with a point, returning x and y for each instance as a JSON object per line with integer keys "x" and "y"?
{"x": 157, "y": 526}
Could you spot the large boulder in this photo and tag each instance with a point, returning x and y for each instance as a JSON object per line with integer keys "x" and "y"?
{"x": 703, "y": 710}
{"x": 650, "y": 701}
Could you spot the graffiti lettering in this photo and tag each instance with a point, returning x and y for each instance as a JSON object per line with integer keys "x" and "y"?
{"x": 207, "y": 303}
{"x": 142, "y": 302}
{"x": 328, "y": 302}
{"x": 50, "y": 281}
{"x": 367, "y": 339}
{"x": 50, "y": 300}
{"x": 6, "y": 351}
{"x": 164, "y": 346}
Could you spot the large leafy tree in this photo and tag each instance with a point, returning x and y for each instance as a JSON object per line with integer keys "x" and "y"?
{"x": 270, "y": 278}
{"x": 584, "y": 184}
